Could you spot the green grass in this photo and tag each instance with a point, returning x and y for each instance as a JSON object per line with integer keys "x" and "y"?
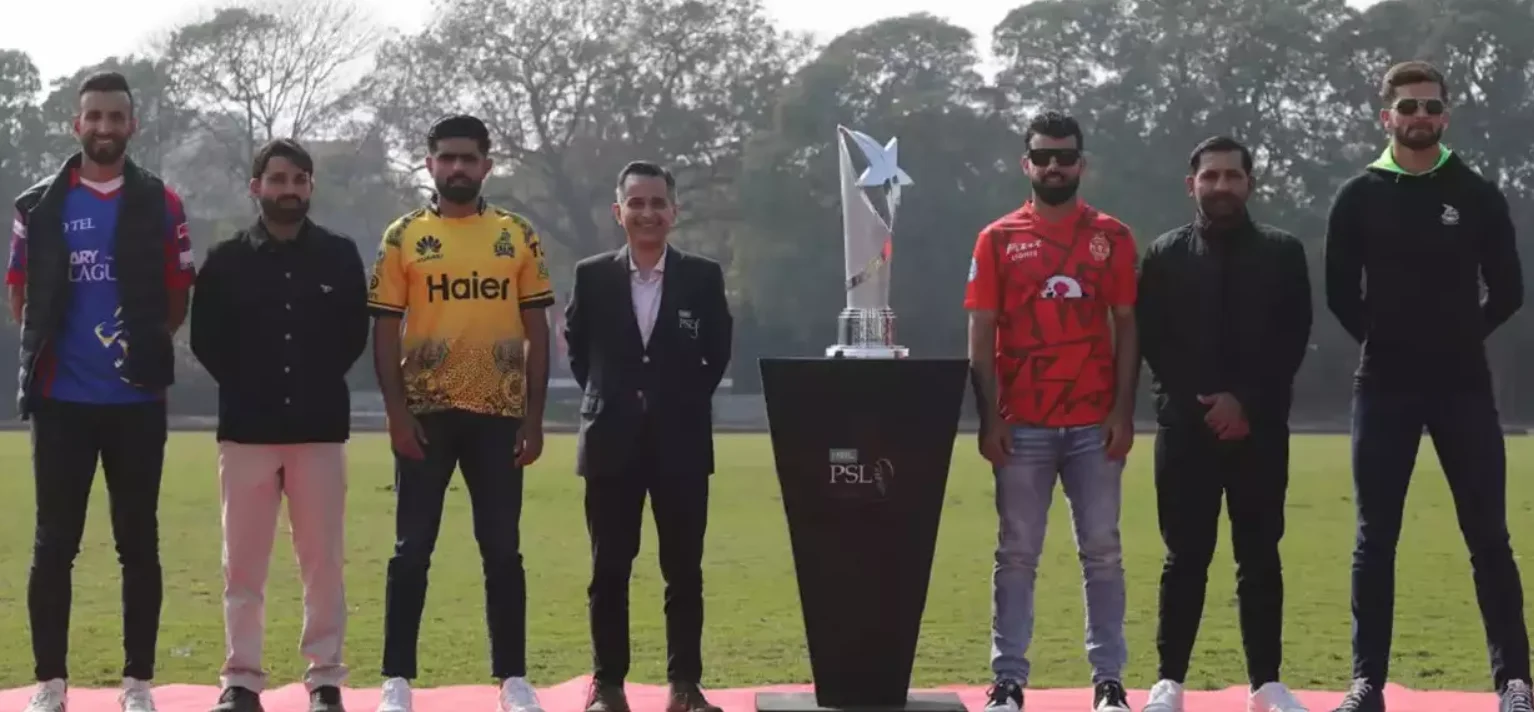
{"x": 754, "y": 632}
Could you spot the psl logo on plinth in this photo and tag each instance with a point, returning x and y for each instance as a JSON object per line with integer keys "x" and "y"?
{"x": 852, "y": 477}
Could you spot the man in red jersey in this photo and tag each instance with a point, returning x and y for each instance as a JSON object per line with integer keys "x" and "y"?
{"x": 1055, "y": 359}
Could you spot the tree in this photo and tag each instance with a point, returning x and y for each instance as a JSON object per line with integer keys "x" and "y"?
{"x": 23, "y": 147}
{"x": 280, "y": 68}
{"x": 573, "y": 90}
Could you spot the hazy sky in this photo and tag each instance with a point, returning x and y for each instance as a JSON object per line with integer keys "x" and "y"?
{"x": 92, "y": 30}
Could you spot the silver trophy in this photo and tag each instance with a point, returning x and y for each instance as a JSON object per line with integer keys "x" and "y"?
{"x": 866, "y": 327}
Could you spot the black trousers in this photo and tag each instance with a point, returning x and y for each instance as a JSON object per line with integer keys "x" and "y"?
{"x": 1194, "y": 471}
{"x": 1387, "y": 431}
{"x": 614, "y": 516}
{"x": 68, "y": 439}
{"x": 483, "y": 447}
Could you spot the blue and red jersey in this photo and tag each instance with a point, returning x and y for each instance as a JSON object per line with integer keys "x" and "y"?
{"x": 84, "y": 361}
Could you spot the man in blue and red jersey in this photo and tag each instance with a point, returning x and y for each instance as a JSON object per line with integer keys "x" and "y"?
{"x": 100, "y": 260}
{"x": 1054, "y": 355}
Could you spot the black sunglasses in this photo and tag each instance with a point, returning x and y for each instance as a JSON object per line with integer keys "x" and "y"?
{"x": 1408, "y": 107}
{"x": 1064, "y": 156}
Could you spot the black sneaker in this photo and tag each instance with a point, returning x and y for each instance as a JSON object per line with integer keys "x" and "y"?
{"x": 1516, "y": 697}
{"x": 1109, "y": 696}
{"x": 325, "y": 699}
{"x": 238, "y": 699}
{"x": 1004, "y": 696}
{"x": 1363, "y": 696}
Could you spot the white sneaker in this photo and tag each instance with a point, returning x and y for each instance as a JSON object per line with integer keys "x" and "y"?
{"x": 135, "y": 696}
{"x": 1165, "y": 696}
{"x": 51, "y": 696}
{"x": 518, "y": 696}
{"x": 396, "y": 695}
{"x": 1274, "y": 697}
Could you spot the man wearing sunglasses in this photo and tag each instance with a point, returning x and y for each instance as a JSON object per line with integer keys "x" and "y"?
{"x": 1408, "y": 244}
{"x": 1053, "y": 351}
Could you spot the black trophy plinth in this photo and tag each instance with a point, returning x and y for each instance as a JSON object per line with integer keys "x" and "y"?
{"x": 862, "y": 448}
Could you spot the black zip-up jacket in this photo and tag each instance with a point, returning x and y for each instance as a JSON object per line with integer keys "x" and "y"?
{"x": 1224, "y": 311}
{"x": 139, "y": 263}
{"x": 278, "y": 325}
{"x": 1405, "y": 258}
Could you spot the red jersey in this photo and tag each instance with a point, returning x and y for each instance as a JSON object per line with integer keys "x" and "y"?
{"x": 1052, "y": 285}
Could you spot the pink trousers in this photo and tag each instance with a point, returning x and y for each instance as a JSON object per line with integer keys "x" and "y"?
{"x": 254, "y": 479}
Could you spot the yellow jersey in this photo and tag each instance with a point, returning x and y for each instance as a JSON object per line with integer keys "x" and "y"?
{"x": 460, "y": 284}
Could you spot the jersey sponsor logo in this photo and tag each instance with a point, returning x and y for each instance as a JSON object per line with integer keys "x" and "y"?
{"x": 80, "y": 225}
{"x": 428, "y": 248}
{"x": 974, "y": 268}
{"x": 18, "y": 229}
{"x": 90, "y": 266}
{"x": 1062, "y": 287}
{"x": 445, "y": 287}
{"x": 1027, "y": 249}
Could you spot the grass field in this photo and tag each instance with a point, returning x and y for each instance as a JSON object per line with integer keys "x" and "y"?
{"x": 754, "y": 632}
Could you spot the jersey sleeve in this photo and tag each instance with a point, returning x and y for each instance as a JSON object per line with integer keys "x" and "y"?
{"x": 1123, "y": 280}
{"x": 980, "y": 292}
{"x": 180, "y": 263}
{"x": 16, "y": 268}
{"x": 534, "y": 291}
{"x": 388, "y": 290}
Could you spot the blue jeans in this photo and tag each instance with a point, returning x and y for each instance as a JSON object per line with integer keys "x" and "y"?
{"x": 1024, "y": 488}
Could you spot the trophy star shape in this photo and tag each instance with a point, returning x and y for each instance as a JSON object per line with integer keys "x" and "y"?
{"x": 883, "y": 169}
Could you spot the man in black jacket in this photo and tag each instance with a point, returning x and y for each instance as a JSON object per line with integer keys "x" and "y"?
{"x": 100, "y": 259}
{"x": 1225, "y": 319}
{"x": 278, "y": 317}
{"x": 648, "y": 330}
{"x": 1408, "y": 243}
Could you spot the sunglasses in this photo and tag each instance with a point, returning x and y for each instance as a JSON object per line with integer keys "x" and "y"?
{"x": 1409, "y": 107}
{"x": 1064, "y": 156}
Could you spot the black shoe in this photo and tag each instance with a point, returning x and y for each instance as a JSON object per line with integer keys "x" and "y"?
{"x": 1109, "y": 696}
{"x": 325, "y": 698}
{"x": 1363, "y": 696}
{"x": 607, "y": 697}
{"x": 1516, "y": 697}
{"x": 238, "y": 699}
{"x": 1004, "y": 696}
{"x": 688, "y": 697}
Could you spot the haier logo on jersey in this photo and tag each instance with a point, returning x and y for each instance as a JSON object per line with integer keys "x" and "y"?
{"x": 446, "y": 288}
{"x": 90, "y": 266}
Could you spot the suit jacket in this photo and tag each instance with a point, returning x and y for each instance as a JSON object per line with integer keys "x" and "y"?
{"x": 668, "y": 384}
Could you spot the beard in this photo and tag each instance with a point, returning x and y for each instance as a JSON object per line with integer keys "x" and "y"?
{"x": 1418, "y": 138}
{"x": 284, "y": 211}
{"x": 1221, "y": 207}
{"x": 458, "y": 189}
{"x": 114, "y": 148}
{"x": 1055, "y": 192}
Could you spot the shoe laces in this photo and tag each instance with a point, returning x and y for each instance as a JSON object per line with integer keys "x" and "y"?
{"x": 1112, "y": 692}
{"x": 1356, "y": 695}
{"x": 1004, "y": 691}
{"x": 1517, "y": 698}
{"x": 47, "y": 697}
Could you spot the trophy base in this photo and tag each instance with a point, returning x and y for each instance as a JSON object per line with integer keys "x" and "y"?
{"x": 866, "y": 351}
{"x": 866, "y": 333}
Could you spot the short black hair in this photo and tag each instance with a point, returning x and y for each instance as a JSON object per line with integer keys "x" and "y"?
{"x": 107, "y": 82}
{"x": 648, "y": 169}
{"x": 459, "y": 126}
{"x": 1054, "y": 124}
{"x": 1415, "y": 71}
{"x": 1220, "y": 144}
{"x": 281, "y": 148}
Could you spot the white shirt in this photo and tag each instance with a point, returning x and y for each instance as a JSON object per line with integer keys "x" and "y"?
{"x": 645, "y": 291}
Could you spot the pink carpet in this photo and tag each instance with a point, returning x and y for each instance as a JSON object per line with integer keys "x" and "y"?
{"x": 569, "y": 696}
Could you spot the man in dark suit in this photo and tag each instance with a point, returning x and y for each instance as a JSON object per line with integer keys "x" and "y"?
{"x": 648, "y": 331}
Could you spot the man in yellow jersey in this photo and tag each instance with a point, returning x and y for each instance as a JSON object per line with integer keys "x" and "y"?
{"x": 464, "y": 387}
